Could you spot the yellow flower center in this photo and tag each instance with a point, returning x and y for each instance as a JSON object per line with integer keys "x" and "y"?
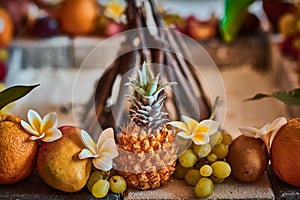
{"x": 115, "y": 9}
{"x": 199, "y": 133}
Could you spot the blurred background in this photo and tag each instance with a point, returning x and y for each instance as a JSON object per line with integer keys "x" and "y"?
{"x": 250, "y": 41}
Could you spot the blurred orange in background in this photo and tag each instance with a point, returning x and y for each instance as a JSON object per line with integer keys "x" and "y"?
{"x": 6, "y": 28}
{"x": 78, "y": 17}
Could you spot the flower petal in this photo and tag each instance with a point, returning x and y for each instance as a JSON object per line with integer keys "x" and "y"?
{"x": 180, "y": 125}
{"x": 185, "y": 135}
{"x": 106, "y": 134}
{"x": 52, "y": 134}
{"x": 263, "y": 131}
{"x": 104, "y": 162}
{"x": 34, "y": 119}
{"x": 212, "y": 126}
{"x": 191, "y": 123}
{"x": 277, "y": 123}
{"x": 85, "y": 153}
{"x": 37, "y": 137}
{"x": 49, "y": 121}
{"x": 110, "y": 147}
{"x": 28, "y": 128}
{"x": 88, "y": 141}
{"x": 201, "y": 139}
{"x": 248, "y": 131}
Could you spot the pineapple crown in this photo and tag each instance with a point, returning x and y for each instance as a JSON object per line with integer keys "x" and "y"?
{"x": 147, "y": 106}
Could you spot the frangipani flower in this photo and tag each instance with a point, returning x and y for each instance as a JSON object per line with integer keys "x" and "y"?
{"x": 199, "y": 132}
{"x": 266, "y": 133}
{"x": 115, "y": 10}
{"x": 42, "y": 129}
{"x": 103, "y": 153}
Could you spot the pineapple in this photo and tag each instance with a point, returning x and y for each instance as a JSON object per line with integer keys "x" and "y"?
{"x": 147, "y": 146}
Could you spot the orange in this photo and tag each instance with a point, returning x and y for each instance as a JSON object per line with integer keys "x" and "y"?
{"x": 285, "y": 149}
{"x": 78, "y": 17}
{"x": 6, "y": 28}
{"x": 17, "y": 153}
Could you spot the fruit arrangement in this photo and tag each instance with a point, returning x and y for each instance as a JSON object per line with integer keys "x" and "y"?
{"x": 202, "y": 166}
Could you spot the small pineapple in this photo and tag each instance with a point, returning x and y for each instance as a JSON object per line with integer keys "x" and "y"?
{"x": 147, "y": 148}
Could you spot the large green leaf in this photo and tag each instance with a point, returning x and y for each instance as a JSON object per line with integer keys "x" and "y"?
{"x": 14, "y": 93}
{"x": 291, "y": 97}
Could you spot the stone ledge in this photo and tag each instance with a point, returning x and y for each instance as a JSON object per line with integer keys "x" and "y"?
{"x": 33, "y": 188}
{"x": 230, "y": 189}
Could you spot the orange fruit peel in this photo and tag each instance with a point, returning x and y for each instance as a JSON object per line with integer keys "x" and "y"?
{"x": 18, "y": 154}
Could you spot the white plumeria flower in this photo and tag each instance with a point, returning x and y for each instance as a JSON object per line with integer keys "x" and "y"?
{"x": 199, "y": 132}
{"x": 115, "y": 10}
{"x": 42, "y": 129}
{"x": 103, "y": 153}
{"x": 266, "y": 133}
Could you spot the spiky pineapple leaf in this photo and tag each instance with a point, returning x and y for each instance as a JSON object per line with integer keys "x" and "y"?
{"x": 146, "y": 72}
{"x": 152, "y": 86}
{"x": 143, "y": 79}
{"x": 14, "y": 93}
{"x": 291, "y": 97}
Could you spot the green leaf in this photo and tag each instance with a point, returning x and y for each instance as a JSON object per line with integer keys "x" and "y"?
{"x": 291, "y": 97}
{"x": 14, "y": 93}
{"x": 258, "y": 96}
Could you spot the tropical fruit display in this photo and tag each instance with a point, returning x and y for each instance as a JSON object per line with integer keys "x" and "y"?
{"x": 202, "y": 166}
{"x": 146, "y": 145}
{"x": 285, "y": 153}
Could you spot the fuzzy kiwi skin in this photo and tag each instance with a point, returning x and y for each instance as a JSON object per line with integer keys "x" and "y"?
{"x": 248, "y": 158}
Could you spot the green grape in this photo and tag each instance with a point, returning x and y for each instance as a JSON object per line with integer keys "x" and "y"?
{"x": 215, "y": 138}
{"x": 216, "y": 180}
{"x": 206, "y": 170}
{"x": 188, "y": 158}
{"x": 227, "y": 139}
{"x": 94, "y": 177}
{"x": 202, "y": 150}
{"x": 180, "y": 171}
{"x": 204, "y": 188}
{"x": 212, "y": 157}
{"x": 221, "y": 150}
{"x": 117, "y": 184}
{"x": 221, "y": 169}
{"x": 200, "y": 163}
{"x": 192, "y": 177}
{"x": 100, "y": 188}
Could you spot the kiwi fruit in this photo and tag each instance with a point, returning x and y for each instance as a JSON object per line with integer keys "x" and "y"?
{"x": 248, "y": 158}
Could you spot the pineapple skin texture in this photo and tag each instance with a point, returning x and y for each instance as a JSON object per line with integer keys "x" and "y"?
{"x": 146, "y": 158}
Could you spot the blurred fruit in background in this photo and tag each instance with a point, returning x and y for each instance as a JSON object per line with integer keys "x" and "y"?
{"x": 108, "y": 27}
{"x": 274, "y": 9}
{"x": 289, "y": 28}
{"x": 17, "y": 10}
{"x": 3, "y": 71}
{"x": 202, "y": 29}
{"x": 6, "y": 28}
{"x": 251, "y": 24}
{"x": 78, "y": 17}
{"x": 46, "y": 27}
{"x": 175, "y": 21}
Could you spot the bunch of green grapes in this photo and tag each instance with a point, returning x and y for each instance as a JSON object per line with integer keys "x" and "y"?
{"x": 202, "y": 166}
{"x": 100, "y": 182}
